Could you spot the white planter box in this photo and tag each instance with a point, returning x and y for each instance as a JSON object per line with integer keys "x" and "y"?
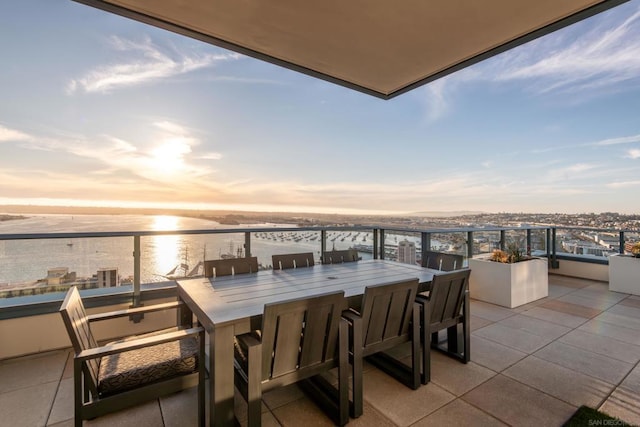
{"x": 508, "y": 285}
{"x": 624, "y": 274}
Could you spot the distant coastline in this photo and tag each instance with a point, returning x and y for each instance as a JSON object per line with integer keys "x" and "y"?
{"x": 4, "y": 217}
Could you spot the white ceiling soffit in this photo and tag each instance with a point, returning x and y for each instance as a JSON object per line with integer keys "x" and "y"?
{"x": 379, "y": 47}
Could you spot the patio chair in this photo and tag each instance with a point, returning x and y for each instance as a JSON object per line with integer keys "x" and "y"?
{"x": 283, "y": 262}
{"x": 299, "y": 340}
{"x": 338, "y": 257}
{"x": 446, "y": 307}
{"x": 443, "y": 261}
{"x": 227, "y": 267}
{"x": 133, "y": 370}
{"x": 389, "y": 317}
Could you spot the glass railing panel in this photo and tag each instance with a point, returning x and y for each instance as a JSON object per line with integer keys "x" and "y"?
{"x": 401, "y": 246}
{"x": 485, "y": 242}
{"x": 362, "y": 241}
{"x": 586, "y": 242}
{"x": 40, "y": 266}
{"x": 264, "y": 244}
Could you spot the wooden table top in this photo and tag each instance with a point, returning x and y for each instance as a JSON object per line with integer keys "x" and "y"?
{"x": 230, "y": 299}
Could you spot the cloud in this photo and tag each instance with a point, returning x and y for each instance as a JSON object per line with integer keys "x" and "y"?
{"x": 633, "y": 154}
{"x": 624, "y": 184}
{"x": 620, "y": 140}
{"x": 143, "y": 62}
{"x": 593, "y": 55}
{"x": 211, "y": 156}
{"x": 7, "y": 135}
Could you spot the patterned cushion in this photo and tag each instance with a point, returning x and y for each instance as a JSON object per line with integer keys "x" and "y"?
{"x": 240, "y": 350}
{"x": 131, "y": 369}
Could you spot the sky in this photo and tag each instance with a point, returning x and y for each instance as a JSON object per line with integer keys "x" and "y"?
{"x": 99, "y": 110}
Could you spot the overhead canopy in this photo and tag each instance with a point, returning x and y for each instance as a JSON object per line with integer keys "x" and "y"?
{"x": 380, "y": 47}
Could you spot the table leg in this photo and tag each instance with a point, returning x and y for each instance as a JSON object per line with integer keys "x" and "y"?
{"x": 221, "y": 377}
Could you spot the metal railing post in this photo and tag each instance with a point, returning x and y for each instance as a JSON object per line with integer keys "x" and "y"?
{"x": 528, "y": 241}
{"x": 554, "y": 259}
{"x": 136, "y": 318}
{"x": 247, "y": 244}
{"x": 425, "y": 243}
{"x": 502, "y": 239}
{"x": 382, "y": 243}
{"x": 323, "y": 243}
{"x": 469, "y": 244}
{"x": 621, "y": 250}
{"x": 375, "y": 243}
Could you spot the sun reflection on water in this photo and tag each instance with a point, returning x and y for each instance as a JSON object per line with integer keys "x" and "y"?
{"x": 166, "y": 249}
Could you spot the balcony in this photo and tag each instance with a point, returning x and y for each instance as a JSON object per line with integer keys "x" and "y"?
{"x": 532, "y": 365}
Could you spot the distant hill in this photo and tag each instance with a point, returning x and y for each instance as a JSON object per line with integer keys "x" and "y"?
{"x": 444, "y": 213}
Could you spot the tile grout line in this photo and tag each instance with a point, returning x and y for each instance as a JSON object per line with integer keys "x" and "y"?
{"x": 55, "y": 395}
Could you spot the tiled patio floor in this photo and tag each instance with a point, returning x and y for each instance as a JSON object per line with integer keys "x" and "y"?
{"x": 533, "y": 365}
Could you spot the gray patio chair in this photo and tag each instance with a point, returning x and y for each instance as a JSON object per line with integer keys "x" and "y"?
{"x": 285, "y": 261}
{"x": 227, "y": 267}
{"x": 338, "y": 257}
{"x": 389, "y": 317}
{"x": 133, "y": 370}
{"x": 443, "y": 261}
{"x": 446, "y": 307}
{"x": 299, "y": 340}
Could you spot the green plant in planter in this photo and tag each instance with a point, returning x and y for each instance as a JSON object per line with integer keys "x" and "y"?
{"x": 635, "y": 249}
{"x": 511, "y": 255}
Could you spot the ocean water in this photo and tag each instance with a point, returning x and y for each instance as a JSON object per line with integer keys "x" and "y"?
{"x": 23, "y": 261}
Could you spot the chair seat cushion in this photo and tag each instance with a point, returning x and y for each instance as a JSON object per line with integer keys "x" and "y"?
{"x": 132, "y": 369}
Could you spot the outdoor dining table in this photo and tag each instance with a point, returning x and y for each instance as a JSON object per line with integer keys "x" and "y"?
{"x": 232, "y": 305}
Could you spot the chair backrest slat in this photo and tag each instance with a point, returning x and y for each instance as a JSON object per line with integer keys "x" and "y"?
{"x": 338, "y": 257}
{"x": 447, "y": 295}
{"x": 386, "y": 313}
{"x": 285, "y": 261}
{"x": 227, "y": 267}
{"x": 76, "y": 322}
{"x": 300, "y": 334}
{"x": 443, "y": 261}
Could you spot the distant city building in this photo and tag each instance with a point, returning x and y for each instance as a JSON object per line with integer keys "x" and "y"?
{"x": 59, "y": 276}
{"x": 108, "y": 278}
{"x": 407, "y": 252}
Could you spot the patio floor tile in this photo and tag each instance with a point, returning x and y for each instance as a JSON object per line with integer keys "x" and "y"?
{"x": 598, "y": 304}
{"x": 556, "y": 291}
{"x": 603, "y": 345}
{"x": 517, "y": 404}
{"x": 27, "y": 406}
{"x": 370, "y": 418}
{"x": 489, "y": 311}
{"x": 63, "y": 404}
{"x": 32, "y": 370}
{"x": 180, "y": 409}
{"x": 559, "y": 318}
{"x": 631, "y": 301}
{"x": 620, "y": 320}
{"x": 628, "y": 335}
{"x": 535, "y": 326}
{"x": 399, "y": 403}
{"x": 626, "y": 310}
{"x": 513, "y": 338}
{"x": 572, "y": 282}
{"x": 300, "y": 413}
{"x": 586, "y": 362}
{"x": 459, "y": 413}
{"x": 572, "y": 309}
{"x": 623, "y": 402}
{"x": 493, "y": 355}
{"x": 456, "y": 377}
{"x": 147, "y": 414}
{"x": 601, "y": 295}
{"x": 565, "y": 384}
{"x": 478, "y": 322}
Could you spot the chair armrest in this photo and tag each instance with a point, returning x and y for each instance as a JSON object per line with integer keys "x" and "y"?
{"x": 106, "y": 350}
{"x": 248, "y": 340}
{"x": 132, "y": 311}
{"x": 351, "y": 315}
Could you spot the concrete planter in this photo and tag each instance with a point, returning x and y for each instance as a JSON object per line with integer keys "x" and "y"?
{"x": 624, "y": 274}
{"x": 508, "y": 285}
